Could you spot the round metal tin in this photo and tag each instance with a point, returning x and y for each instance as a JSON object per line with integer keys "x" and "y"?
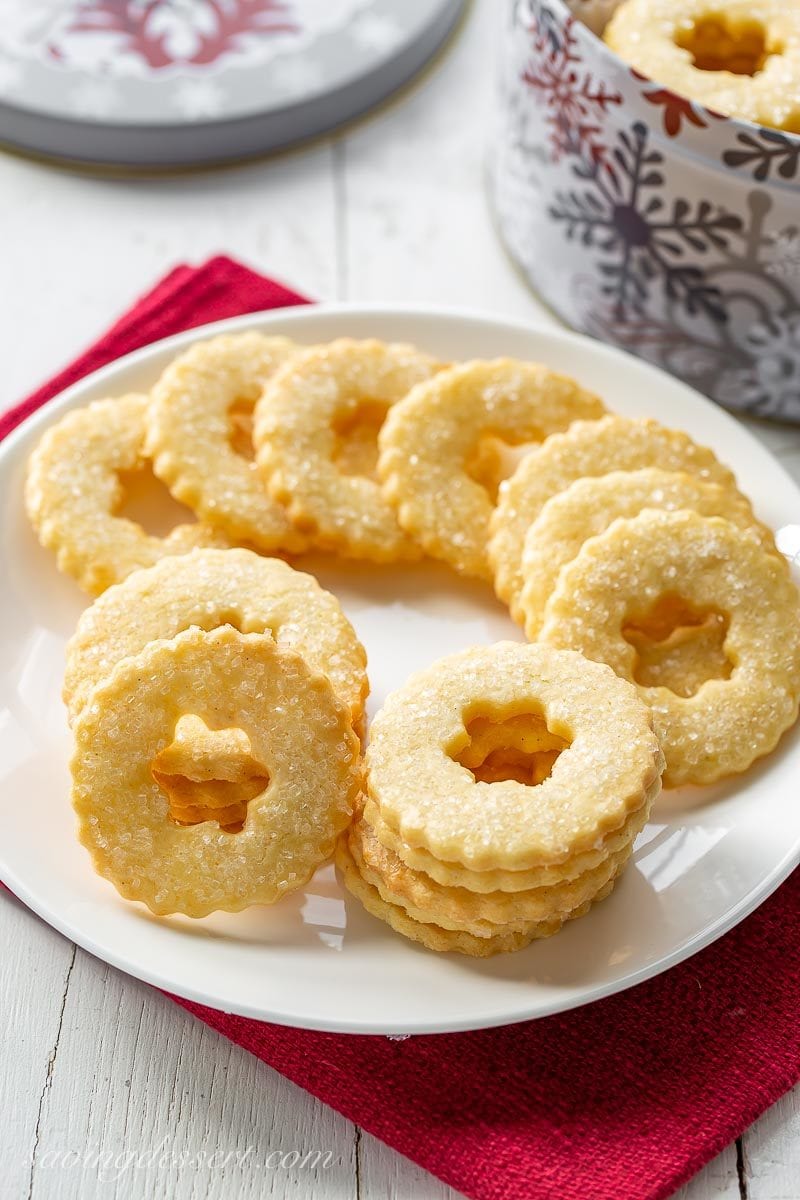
{"x": 162, "y": 83}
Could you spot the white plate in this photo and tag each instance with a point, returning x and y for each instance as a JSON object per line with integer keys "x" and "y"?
{"x": 317, "y": 960}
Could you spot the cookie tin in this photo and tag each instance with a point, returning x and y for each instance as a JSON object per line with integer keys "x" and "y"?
{"x": 644, "y": 218}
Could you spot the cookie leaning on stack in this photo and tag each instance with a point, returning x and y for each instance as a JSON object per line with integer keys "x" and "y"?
{"x": 731, "y": 720}
{"x": 588, "y": 448}
{"x": 211, "y": 588}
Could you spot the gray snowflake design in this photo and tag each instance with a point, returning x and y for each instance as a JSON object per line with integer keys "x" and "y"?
{"x": 763, "y": 152}
{"x": 750, "y": 360}
{"x": 697, "y": 273}
{"x": 783, "y": 259}
{"x": 770, "y": 383}
{"x": 642, "y": 244}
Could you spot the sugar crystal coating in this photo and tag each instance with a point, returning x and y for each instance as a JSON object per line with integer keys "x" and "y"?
{"x": 211, "y": 588}
{"x": 297, "y": 729}
{"x": 729, "y": 723}
{"x": 588, "y": 506}
{"x": 433, "y": 802}
{"x": 587, "y": 448}
{"x": 737, "y": 58}
{"x": 295, "y": 434}
{"x": 430, "y": 438}
{"x": 73, "y": 490}
{"x": 189, "y": 430}
{"x": 214, "y": 694}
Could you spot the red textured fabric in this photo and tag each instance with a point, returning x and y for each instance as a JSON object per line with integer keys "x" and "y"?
{"x": 622, "y": 1100}
{"x": 188, "y": 296}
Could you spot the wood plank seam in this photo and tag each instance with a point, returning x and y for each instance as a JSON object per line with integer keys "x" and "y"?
{"x": 741, "y": 1171}
{"x": 48, "y": 1078}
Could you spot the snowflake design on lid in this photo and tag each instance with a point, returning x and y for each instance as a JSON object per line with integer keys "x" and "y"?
{"x": 162, "y": 34}
{"x": 642, "y": 244}
{"x": 140, "y": 38}
{"x": 575, "y": 103}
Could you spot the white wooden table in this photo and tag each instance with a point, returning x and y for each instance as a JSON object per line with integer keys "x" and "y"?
{"x": 91, "y": 1062}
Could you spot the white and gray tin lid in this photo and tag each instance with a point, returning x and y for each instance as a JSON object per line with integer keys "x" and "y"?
{"x": 177, "y": 82}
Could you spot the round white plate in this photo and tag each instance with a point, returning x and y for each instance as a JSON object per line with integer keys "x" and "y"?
{"x": 317, "y": 959}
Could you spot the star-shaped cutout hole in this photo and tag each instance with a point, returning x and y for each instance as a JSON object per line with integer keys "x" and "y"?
{"x": 209, "y": 775}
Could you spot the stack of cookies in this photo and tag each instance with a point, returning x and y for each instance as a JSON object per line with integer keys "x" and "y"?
{"x": 504, "y": 789}
{"x": 630, "y": 543}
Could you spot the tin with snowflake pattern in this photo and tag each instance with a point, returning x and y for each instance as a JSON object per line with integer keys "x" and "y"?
{"x": 160, "y": 83}
{"x": 646, "y": 220}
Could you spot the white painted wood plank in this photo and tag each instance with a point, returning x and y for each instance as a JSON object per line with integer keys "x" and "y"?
{"x": 383, "y": 1174}
{"x": 418, "y": 226}
{"x": 146, "y": 1101}
{"x": 772, "y": 1152}
{"x": 35, "y": 966}
{"x": 77, "y": 249}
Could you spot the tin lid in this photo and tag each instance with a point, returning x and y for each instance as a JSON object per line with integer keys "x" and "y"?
{"x": 179, "y": 82}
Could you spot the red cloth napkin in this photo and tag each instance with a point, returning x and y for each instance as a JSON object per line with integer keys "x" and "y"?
{"x": 621, "y": 1100}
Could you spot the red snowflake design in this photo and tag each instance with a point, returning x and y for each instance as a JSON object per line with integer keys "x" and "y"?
{"x": 576, "y": 103}
{"x": 676, "y": 109}
{"x": 133, "y": 21}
